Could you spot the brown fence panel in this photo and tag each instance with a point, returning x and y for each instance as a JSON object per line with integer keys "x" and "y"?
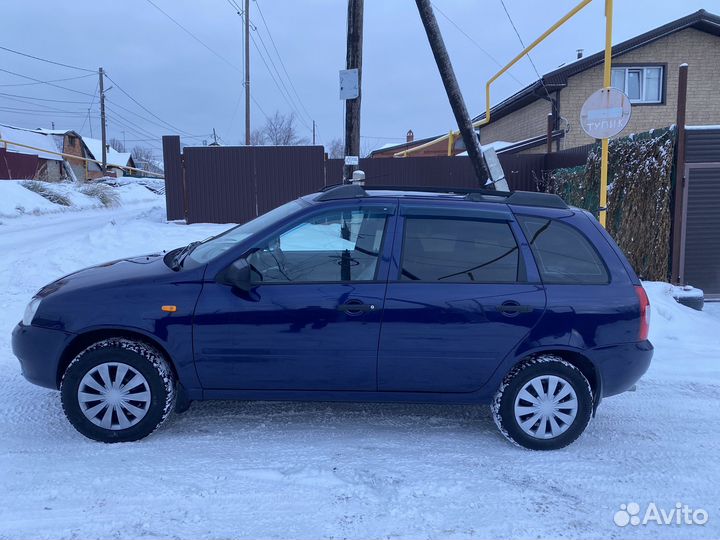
{"x": 234, "y": 184}
{"x": 174, "y": 189}
{"x": 286, "y": 173}
{"x": 220, "y": 185}
{"x": 420, "y": 171}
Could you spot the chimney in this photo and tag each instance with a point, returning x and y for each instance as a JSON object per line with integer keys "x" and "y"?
{"x": 580, "y": 53}
{"x": 410, "y": 136}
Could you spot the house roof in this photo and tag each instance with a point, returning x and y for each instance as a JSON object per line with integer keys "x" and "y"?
{"x": 118, "y": 159}
{"x": 398, "y": 147}
{"x": 28, "y": 137}
{"x": 556, "y": 79}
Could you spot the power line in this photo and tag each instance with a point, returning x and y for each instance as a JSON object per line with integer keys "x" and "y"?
{"x": 200, "y": 41}
{"x": 46, "y": 60}
{"x": 46, "y": 107}
{"x": 51, "y": 81}
{"x": 474, "y": 42}
{"x": 92, "y": 101}
{"x": 512, "y": 23}
{"x": 282, "y": 64}
{"x": 45, "y": 82}
{"x": 284, "y": 92}
{"x": 43, "y": 99}
{"x": 43, "y": 111}
{"x": 145, "y": 108}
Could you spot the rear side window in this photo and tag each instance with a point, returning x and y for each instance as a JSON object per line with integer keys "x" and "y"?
{"x": 458, "y": 250}
{"x": 563, "y": 254}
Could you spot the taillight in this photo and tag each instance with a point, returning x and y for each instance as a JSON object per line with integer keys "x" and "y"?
{"x": 644, "y": 313}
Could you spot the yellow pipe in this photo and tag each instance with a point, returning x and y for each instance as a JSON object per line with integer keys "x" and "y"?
{"x": 451, "y": 143}
{"x": 607, "y": 71}
{"x": 527, "y": 49}
{"x": 86, "y": 160}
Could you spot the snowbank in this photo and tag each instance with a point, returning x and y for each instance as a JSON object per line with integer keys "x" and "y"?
{"x": 16, "y": 200}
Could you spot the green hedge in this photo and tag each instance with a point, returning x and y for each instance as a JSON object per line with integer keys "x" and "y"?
{"x": 640, "y": 177}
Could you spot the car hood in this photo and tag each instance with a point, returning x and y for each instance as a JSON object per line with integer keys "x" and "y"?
{"x": 112, "y": 272}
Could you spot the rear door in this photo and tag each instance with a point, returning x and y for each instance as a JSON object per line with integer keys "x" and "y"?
{"x": 458, "y": 298}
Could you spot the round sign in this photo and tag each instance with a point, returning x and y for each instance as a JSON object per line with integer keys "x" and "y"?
{"x": 605, "y": 113}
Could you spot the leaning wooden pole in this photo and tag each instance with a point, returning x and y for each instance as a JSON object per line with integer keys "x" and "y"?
{"x": 457, "y": 103}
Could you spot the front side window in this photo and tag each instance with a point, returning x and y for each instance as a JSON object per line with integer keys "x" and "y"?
{"x": 338, "y": 246}
{"x": 458, "y": 250}
{"x": 215, "y": 246}
{"x": 562, "y": 253}
{"x": 640, "y": 84}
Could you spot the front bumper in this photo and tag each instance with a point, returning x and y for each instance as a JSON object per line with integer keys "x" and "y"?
{"x": 39, "y": 351}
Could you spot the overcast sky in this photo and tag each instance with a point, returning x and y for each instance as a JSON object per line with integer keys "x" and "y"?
{"x": 182, "y": 82}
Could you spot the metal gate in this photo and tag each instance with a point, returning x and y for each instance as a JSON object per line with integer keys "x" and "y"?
{"x": 700, "y": 259}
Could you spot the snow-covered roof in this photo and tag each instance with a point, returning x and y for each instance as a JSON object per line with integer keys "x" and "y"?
{"x": 53, "y": 131}
{"x": 41, "y": 141}
{"x": 119, "y": 159}
{"x": 497, "y": 146}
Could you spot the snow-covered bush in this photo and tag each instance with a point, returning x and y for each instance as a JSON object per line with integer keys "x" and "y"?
{"x": 104, "y": 194}
{"x": 43, "y": 189}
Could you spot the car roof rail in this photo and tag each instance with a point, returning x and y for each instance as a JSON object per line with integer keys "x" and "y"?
{"x": 342, "y": 191}
{"x": 520, "y": 198}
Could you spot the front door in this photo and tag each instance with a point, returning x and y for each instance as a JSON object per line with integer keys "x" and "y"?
{"x": 459, "y": 303}
{"x": 312, "y": 318}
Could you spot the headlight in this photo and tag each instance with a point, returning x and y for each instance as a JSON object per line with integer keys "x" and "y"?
{"x": 30, "y": 311}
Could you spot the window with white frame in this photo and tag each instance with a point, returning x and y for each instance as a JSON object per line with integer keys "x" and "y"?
{"x": 640, "y": 84}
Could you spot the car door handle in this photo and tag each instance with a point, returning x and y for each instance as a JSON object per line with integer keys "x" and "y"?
{"x": 513, "y": 308}
{"x": 356, "y": 307}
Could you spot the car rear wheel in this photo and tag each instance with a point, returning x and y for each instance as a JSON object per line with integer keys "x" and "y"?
{"x": 118, "y": 390}
{"x": 544, "y": 403}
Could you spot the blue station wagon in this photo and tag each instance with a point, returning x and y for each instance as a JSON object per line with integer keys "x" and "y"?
{"x": 381, "y": 294}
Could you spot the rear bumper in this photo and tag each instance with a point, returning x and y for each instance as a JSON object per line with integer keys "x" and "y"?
{"x": 39, "y": 351}
{"x": 621, "y": 366}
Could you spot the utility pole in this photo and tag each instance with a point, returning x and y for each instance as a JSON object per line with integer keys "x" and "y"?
{"x": 214, "y": 136}
{"x": 353, "y": 61}
{"x": 453, "y": 90}
{"x": 247, "y": 72}
{"x": 103, "y": 128}
{"x": 313, "y": 132}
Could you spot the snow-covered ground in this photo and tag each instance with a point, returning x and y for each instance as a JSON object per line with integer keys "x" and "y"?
{"x": 290, "y": 470}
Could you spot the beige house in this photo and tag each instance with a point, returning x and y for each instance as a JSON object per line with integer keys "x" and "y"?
{"x": 644, "y": 67}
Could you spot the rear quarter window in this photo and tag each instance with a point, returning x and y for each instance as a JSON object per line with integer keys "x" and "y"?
{"x": 563, "y": 254}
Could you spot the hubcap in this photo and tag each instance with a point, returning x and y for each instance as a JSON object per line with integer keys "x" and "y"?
{"x": 114, "y": 396}
{"x": 546, "y": 407}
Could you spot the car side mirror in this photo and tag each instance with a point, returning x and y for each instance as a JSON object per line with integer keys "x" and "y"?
{"x": 237, "y": 275}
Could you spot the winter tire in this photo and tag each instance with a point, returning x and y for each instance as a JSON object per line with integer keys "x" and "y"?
{"x": 544, "y": 403}
{"x": 118, "y": 390}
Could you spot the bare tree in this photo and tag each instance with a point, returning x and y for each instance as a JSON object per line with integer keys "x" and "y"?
{"x": 117, "y": 144}
{"x": 257, "y": 137}
{"x": 335, "y": 149}
{"x": 279, "y": 130}
{"x": 145, "y": 159}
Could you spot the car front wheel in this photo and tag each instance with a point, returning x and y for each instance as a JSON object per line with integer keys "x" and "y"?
{"x": 118, "y": 390}
{"x": 544, "y": 403}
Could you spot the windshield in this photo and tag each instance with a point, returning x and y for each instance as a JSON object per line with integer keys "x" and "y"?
{"x": 217, "y": 245}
